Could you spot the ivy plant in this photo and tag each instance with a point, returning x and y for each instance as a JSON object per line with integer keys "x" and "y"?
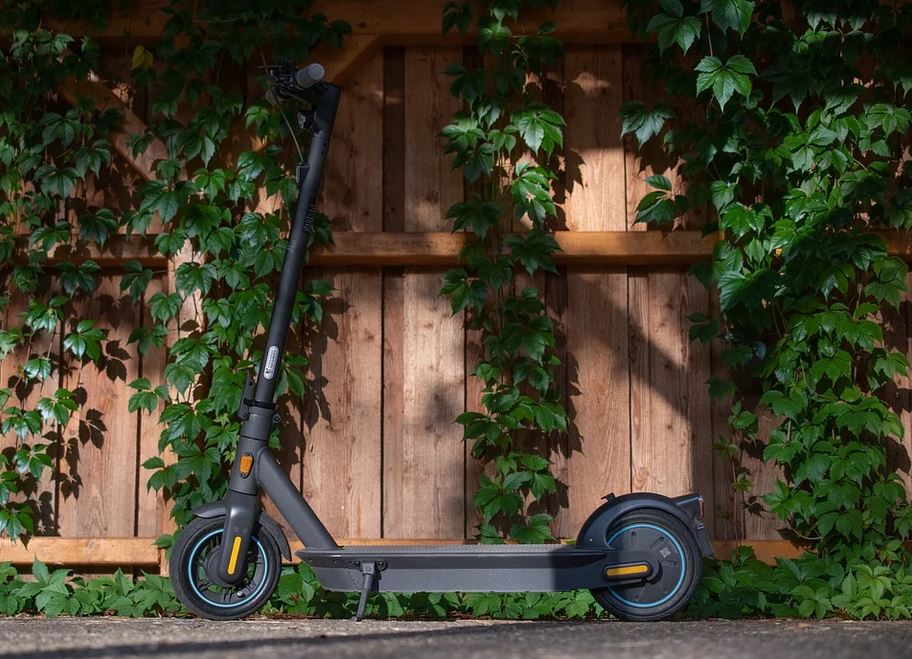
{"x": 505, "y": 140}
{"x": 791, "y": 132}
{"x": 210, "y": 207}
{"x": 46, "y": 152}
{"x": 231, "y": 218}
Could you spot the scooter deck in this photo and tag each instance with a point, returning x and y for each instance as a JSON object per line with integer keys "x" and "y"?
{"x": 466, "y": 568}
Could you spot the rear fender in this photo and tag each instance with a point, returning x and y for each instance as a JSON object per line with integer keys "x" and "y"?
{"x": 594, "y": 531}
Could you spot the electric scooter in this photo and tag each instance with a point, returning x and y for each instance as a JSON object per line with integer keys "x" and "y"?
{"x": 639, "y": 554}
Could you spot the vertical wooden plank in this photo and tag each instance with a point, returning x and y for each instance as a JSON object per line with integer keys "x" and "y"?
{"x": 474, "y": 352}
{"x": 646, "y": 160}
{"x": 393, "y": 220}
{"x": 699, "y": 402}
{"x": 101, "y": 454}
{"x": 557, "y": 298}
{"x": 671, "y": 415}
{"x": 759, "y": 523}
{"x": 149, "y": 503}
{"x": 596, "y": 313}
{"x": 341, "y": 469}
{"x": 635, "y": 162}
{"x": 594, "y": 152}
{"x": 727, "y": 510}
{"x": 671, "y": 433}
{"x": 474, "y": 468}
{"x": 118, "y": 190}
{"x": 423, "y": 453}
{"x": 393, "y": 173}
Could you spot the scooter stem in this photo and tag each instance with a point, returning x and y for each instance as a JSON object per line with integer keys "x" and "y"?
{"x": 241, "y": 503}
{"x": 324, "y": 113}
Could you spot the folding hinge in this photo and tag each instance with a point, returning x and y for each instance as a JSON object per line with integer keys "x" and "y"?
{"x": 244, "y": 407}
{"x": 247, "y": 401}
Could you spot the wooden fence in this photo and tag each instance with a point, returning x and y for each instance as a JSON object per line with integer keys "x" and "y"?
{"x": 375, "y": 448}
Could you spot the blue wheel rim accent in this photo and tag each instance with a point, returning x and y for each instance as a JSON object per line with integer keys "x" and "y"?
{"x": 191, "y": 573}
{"x": 674, "y": 541}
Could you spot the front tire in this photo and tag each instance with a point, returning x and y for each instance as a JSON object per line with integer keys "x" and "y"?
{"x": 194, "y": 556}
{"x": 663, "y": 594}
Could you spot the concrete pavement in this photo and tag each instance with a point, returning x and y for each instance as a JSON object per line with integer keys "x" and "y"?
{"x": 39, "y": 638}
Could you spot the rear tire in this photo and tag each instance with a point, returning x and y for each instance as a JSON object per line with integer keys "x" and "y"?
{"x": 681, "y": 566}
{"x": 196, "y": 549}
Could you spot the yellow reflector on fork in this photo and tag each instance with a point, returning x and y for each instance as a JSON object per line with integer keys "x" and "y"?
{"x": 235, "y": 550}
{"x": 627, "y": 570}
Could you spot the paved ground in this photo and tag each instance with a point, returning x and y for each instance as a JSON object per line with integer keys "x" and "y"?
{"x": 37, "y": 638}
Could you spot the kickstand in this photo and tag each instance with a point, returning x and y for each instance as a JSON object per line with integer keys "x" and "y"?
{"x": 368, "y": 571}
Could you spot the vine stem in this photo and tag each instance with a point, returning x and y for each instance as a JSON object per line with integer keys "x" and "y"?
{"x": 709, "y": 41}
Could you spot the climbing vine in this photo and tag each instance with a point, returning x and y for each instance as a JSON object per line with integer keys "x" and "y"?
{"x": 790, "y": 123}
{"x": 505, "y": 140}
{"x": 219, "y": 207}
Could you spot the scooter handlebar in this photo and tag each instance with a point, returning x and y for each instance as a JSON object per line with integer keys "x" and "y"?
{"x": 310, "y": 75}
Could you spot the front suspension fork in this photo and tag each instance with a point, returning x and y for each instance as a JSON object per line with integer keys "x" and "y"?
{"x": 241, "y": 501}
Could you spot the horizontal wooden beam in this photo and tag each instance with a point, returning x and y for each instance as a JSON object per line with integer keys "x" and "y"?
{"x": 577, "y": 248}
{"x": 399, "y": 22}
{"x": 406, "y": 22}
{"x": 81, "y": 551}
{"x": 142, "y": 552}
{"x": 441, "y": 249}
{"x": 118, "y": 250}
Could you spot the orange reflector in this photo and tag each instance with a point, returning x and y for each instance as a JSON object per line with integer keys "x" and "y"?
{"x": 245, "y": 464}
{"x": 626, "y": 570}
{"x": 235, "y": 550}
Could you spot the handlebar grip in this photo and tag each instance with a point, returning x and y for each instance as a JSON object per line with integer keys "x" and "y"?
{"x": 309, "y": 75}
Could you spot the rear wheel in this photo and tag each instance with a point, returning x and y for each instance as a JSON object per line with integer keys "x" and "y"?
{"x": 680, "y": 566}
{"x": 193, "y": 574}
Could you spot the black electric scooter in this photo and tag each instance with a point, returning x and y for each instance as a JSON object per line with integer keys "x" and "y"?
{"x": 640, "y": 554}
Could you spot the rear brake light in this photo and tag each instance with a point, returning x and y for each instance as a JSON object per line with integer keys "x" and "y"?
{"x": 701, "y": 508}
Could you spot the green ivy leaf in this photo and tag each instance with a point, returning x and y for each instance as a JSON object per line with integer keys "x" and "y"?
{"x": 643, "y": 123}
{"x": 85, "y": 340}
{"x": 675, "y": 29}
{"x": 163, "y": 306}
{"x": 729, "y": 14}
{"x": 136, "y": 279}
{"x": 59, "y": 408}
{"x": 159, "y": 197}
{"x": 725, "y": 79}
{"x": 539, "y": 127}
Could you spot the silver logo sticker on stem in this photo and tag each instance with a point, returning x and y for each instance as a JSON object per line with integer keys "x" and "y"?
{"x": 271, "y": 358}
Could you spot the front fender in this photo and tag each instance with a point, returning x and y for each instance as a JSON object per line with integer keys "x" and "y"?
{"x": 595, "y": 529}
{"x": 217, "y": 508}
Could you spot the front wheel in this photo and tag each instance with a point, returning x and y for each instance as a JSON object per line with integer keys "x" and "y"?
{"x": 193, "y": 572}
{"x": 680, "y": 566}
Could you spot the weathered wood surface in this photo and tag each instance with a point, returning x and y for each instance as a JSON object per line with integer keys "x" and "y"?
{"x": 596, "y": 316}
{"x": 343, "y": 430}
{"x": 423, "y": 459}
